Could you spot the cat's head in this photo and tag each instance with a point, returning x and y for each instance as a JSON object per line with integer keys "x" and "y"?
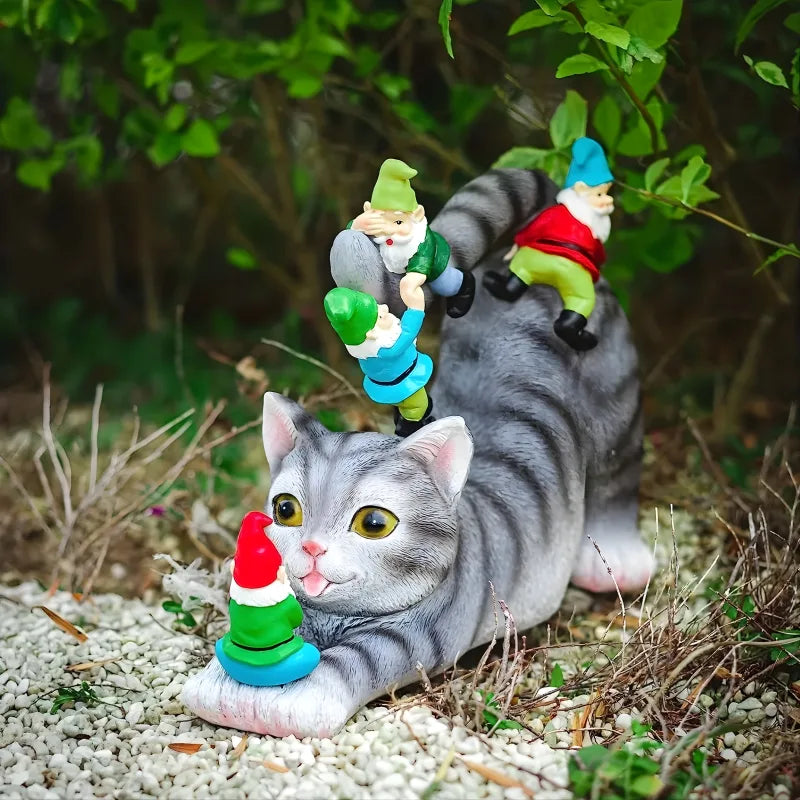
{"x": 366, "y": 523}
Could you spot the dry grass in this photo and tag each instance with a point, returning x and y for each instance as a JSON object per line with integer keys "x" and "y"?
{"x": 84, "y": 503}
{"x": 736, "y": 621}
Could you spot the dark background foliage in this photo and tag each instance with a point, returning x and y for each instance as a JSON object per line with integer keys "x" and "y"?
{"x": 172, "y": 173}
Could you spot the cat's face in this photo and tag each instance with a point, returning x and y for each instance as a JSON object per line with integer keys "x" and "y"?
{"x": 365, "y": 523}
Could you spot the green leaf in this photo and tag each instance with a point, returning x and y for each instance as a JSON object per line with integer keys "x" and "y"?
{"x": 638, "y": 141}
{"x": 172, "y": 607}
{"x": 612, "y": 34}
{"x": 695, "y": 172}
{"x": 557, "y": 676}
{"x": 38, "y": 172}
{"x": 607, "y": 120}
{"x": 580, "y": 64}
{"x": 201, "y": 139}
{"x": 20, "y": 129}
{"x": 550, "y": 7}
{"x": 654, "y": 172}
{"x": 645, "y": 75}
{"x": 166, "y": 148}
{"x": 445, "y": 10}
{"x": 595, "y": 11}
{"x": 523, "y": 158}
{"x": 157, "y": 70}
{"x": 639, "y": 50}
{"x": 393, "y": 86}
{"x": 771, "y": 73}
{"x": 655, "y": 22}
{"x": 69, "y": 80}
{"x": 87, "y": 153}
{"x": 130, "y": 5}
{"x": 366, "y": 60}
{"x": 646, "y": 785}
{"x": 792, "y": 22}
{"x": 758, "y": 10}
{"x": 593, "y": 757}
{"x": 304, "y": 86}
{"x": 330, "y": 45}
{"x": 241, "y": 258}
{"x": 106, "y": 95}
{"x": 175, "y": 117}
{"x": 569, "y": 120}
{"x": 190, "y": 52}
{"x": 531, "y": 19}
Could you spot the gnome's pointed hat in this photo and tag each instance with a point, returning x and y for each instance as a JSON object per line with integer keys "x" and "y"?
{"x": 257, "y": 559}
{"x": 392, "y": 190}
{"x": 588, "y": 164}
{"x": 351, "y": 314}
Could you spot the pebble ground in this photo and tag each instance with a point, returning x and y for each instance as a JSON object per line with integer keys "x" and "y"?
{"x": 121, "y": 748}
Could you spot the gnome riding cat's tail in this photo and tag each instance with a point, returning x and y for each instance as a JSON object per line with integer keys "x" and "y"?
{"x": 486, "y": 209}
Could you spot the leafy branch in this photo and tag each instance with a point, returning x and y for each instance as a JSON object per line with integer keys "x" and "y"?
{"x": 782, "y": 248}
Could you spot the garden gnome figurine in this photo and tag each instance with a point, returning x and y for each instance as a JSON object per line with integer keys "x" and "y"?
{"x": 261, "y": 647}
{"x": 563, "y": 246}
{"x": 386, "y": 349}
{"x": 396, "y": 223}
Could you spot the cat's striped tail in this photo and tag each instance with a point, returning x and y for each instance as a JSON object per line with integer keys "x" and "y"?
{"x": 492, "y": 205}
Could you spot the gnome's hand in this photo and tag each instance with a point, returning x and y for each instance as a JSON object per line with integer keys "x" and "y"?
{"x": 411, "y": 290}
{"x": 370, "y": 222}
{"x": 511, "y": 253}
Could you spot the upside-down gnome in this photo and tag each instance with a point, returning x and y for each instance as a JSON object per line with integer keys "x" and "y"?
{"x": 396, "y": 222}
{"x": 563, "y": 246}
{"x": 261, "y": 647}
{"x": 395, "y": 373}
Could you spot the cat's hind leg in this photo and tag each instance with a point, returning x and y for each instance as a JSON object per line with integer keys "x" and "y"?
{"x": 611, "y": 523}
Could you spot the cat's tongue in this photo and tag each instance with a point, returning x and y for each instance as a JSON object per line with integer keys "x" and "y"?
{"x": 315, "y": 583}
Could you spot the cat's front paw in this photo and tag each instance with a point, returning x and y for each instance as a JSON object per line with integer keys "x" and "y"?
{"x": 307, "y": 707}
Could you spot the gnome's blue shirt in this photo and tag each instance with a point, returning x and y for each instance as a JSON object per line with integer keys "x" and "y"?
{"x": 396, "y": 372}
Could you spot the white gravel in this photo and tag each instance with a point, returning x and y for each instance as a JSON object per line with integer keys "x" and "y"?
{"x": 122, "y": 750}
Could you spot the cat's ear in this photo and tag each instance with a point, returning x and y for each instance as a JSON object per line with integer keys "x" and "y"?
{"x": 444, "y": 447}
{"x": 284, "y": 425}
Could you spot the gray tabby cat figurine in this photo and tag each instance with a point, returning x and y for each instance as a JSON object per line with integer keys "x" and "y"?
{"x": 392, "y": 543}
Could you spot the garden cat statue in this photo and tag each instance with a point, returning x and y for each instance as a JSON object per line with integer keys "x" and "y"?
{"x": 391, "y": 544}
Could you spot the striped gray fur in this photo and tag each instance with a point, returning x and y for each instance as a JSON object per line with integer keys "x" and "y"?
{"x": 557, "y": 444}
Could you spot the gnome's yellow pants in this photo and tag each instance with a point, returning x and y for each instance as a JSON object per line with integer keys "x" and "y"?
{"x": 413, "y": 408}
{"x": 570, "y": 279}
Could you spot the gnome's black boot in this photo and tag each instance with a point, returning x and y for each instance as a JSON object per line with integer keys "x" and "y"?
{"x": 504, "y": 287}
{"x": 405, "y": 427}
{"x": 461, "y": 302}
{"x": 571, "y": 327}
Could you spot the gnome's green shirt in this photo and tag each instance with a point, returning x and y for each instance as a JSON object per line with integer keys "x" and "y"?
{"x": 431, "y": 257}
{"x": 263, "y": 635}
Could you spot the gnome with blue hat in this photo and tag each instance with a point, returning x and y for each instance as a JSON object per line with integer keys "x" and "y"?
{"x": 563, "y": 246}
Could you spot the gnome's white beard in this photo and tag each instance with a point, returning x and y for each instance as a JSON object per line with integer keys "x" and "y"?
{"x": 270, "y": 595}
{"x": 599, "y": 222}
{"x": 396, "y": 255}
{"x": 383, "y": 338}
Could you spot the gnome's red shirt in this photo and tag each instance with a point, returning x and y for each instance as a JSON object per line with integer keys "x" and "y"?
{"x": 556, "y": 231}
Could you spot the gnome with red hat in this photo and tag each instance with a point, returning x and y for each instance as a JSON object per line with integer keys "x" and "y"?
{"x": 261, "y": 647}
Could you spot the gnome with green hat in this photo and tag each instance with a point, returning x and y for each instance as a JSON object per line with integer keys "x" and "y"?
{"x": 395, "y": 373}
{"x": 396, "y": 223}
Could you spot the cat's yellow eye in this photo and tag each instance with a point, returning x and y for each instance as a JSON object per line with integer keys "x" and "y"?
{"x": 286, "y": 510}
{"x": 372, "y": 522}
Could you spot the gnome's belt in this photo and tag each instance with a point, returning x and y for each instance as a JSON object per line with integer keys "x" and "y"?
{"x": 569, "y": 245}
{"x": 259, "y": 649}
{"x": 399, "y": 378}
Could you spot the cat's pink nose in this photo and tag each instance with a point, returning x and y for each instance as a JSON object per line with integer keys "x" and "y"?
{"x": 313, "y": 548}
